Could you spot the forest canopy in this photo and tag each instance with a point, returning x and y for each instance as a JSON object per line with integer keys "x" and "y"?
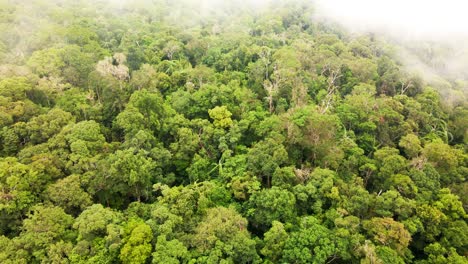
{"x": 155, "y": 131}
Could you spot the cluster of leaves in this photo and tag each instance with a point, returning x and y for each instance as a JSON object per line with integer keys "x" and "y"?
{"x": 169, "y": 132}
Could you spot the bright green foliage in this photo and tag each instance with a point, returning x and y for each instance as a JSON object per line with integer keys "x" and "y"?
{"x": 68, "y": 194}
{"x": 221, "y": 116}
{"x": 274, "y": 240}
{"x": 284, "y": 177}
{"x": 265, "y": 157}
{"x": 79, "y": 144}
{"x": 390, "y": 163}
{"x": 43, "y": 127}
{"x": 438, "y": 254}
{"x": 223, "y": 234}
{"x": 226, "y": 132}
{"x": 130, "y": 171}
{"x": 46, "y": 62}
{"x": 317, "y": 192}
{"x": 190, "y": 202}
{"x": 388, "y": 255}
{"x": 18, "y": 183}
{"x": 137, "y": 247}
{"x": 386, "y": 231}
{"x": 94, "y": 221}
{"x": 77, "y": 103}
{"x": 11, "y": 253}
{"x": 270, "y": 205}
{"x": 45, "y": 226}
{"x": 313, "y": 133}
{"x": 14, "y": 88}
{"x": 411, "y": 145}
{"x": 85, "y": 137}
{"x": 99, "y": 235}
{"x": 445, "y": 160}
{"x": 144, "y": 111}
{"x": 311, "y": 243}
{"x": 171, "y": 252}
{"x": 164, "y": 222}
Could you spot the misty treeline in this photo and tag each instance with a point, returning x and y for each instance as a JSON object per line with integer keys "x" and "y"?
{"x": 221, "y": 132}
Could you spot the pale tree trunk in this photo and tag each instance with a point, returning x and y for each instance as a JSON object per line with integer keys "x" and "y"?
{"x": 405, "y": 86}
{"x": 331, "y": 88}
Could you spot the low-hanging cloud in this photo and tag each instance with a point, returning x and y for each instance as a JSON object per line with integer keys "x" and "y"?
{"x": 432, "y": 35}
{"x": 419, "y": 18}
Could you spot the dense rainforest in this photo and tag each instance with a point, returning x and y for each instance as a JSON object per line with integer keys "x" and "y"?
{"x": 156, "y": 131}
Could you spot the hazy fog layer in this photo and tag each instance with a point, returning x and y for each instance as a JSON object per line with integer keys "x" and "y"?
{"x": 423, "y": 18}
{"x": 419, "y": 27}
